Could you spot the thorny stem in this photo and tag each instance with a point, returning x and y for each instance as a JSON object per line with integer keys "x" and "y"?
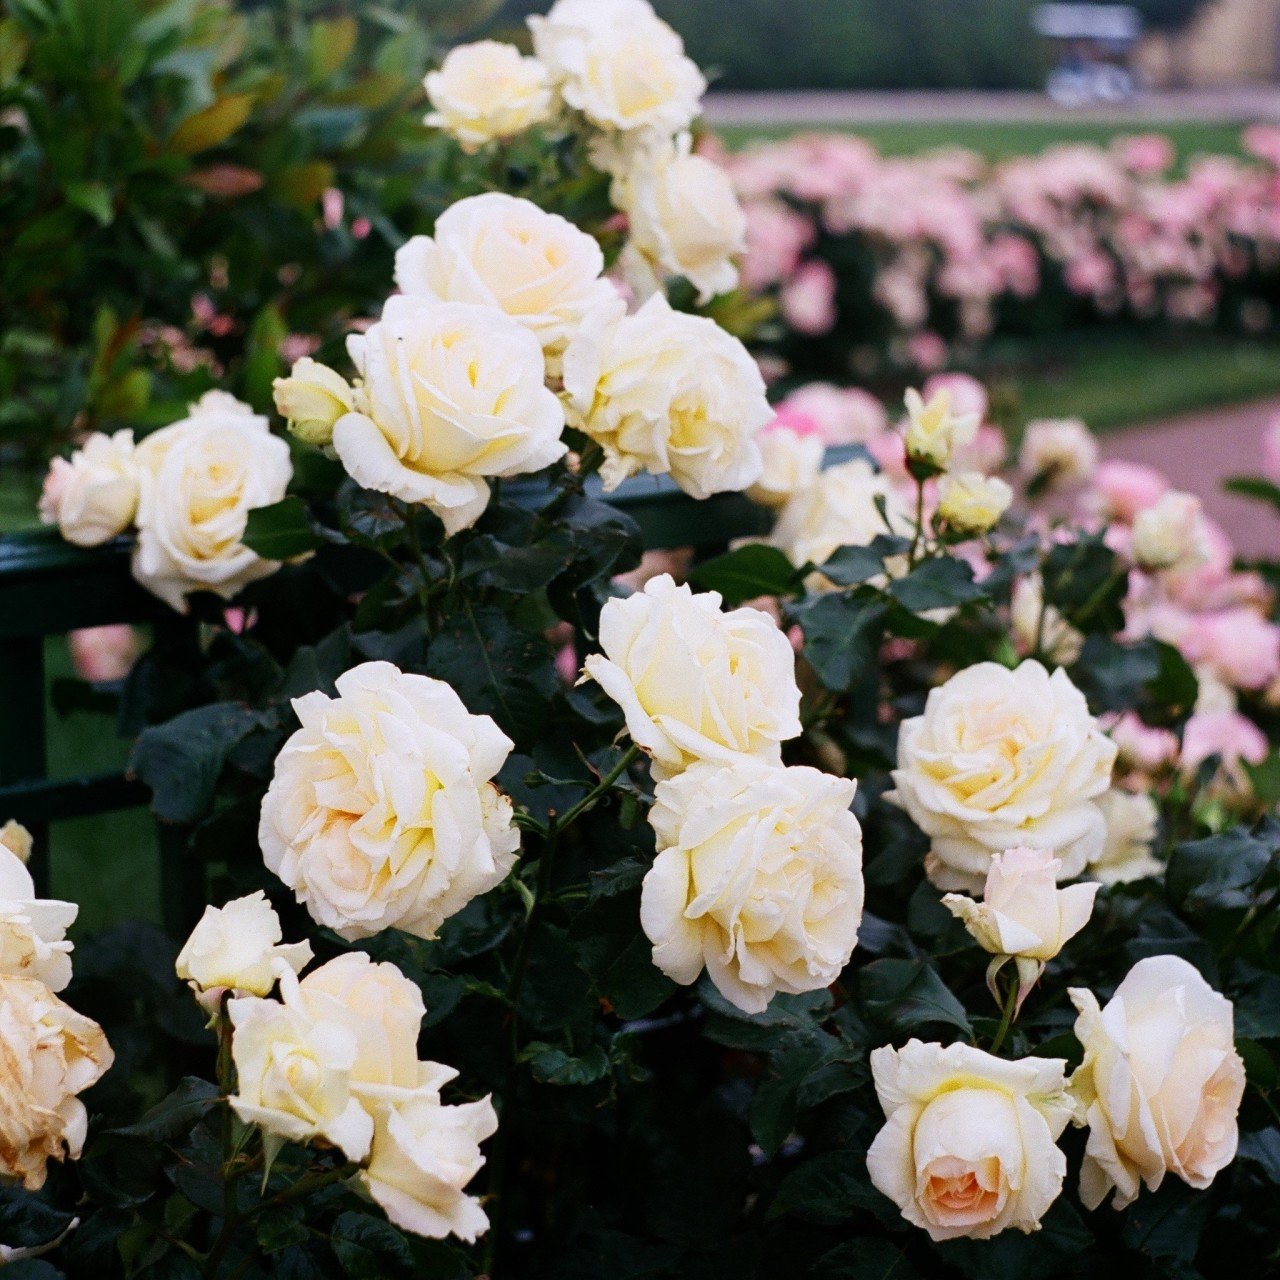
{"x": 1006, "y": 1020}
{"x": 542, "y": 890}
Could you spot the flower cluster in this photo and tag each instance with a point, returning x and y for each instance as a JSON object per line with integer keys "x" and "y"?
{"x": 49, "y": 1053}
{"x": 952, "y": 248}
{"x": 334, "y": 1061}
{"x": 758, "y": 876}
{"x": 185, "y": 490}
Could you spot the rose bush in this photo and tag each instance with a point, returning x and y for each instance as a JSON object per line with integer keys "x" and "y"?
{"x": 569, "y": 919}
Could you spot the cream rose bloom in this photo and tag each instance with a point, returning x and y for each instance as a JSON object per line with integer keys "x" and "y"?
{"x": 970, "y": 1143}
{"x": 48, "y": 1054}
{"x": 312, "y": 399}
{"x": 381, "y": 813}
{"x": 1001, "y": 759}
{"x": 485, "y": 92}
{"x": 93, "y": 497}
{"x": 693, "y": 682}
{"x": 496, "y": 250}
{"x": 294, "y": 1076}
{"x": 1171, "y": 535}
{"x": 200, "y": 479}
{"x": 1023, "y": 914}
{"x": 1059, "y": 452}
{"x": 1132, "y": 823}
{"x": 17, "y": 840}
{"x": 669, "y": 393}
{"x": 424, "y": 1155}
{"x": 790, "y": 464}
{"x": 841, "y": 508}
{"x": 452, "y": 395}
{"x": 758, "y": 879}
{"x": 684, "y": 220}
{"x": 238, "y": 948}
{"x": 1161, "y": 1082}
{"x": 33, "y": 930}
{"x": 971, "y": 503}
{"x": 383, "y": 1011}
{"x": 934, "y": 431}
{"x": 620, "y": 65}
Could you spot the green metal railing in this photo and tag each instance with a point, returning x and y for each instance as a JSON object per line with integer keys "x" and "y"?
{"x": 48, "y": 588}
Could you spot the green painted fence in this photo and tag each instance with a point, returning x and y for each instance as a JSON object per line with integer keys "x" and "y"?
{"x": 48, "y": 588}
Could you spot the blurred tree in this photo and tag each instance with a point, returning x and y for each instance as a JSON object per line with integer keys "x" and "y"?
{"x": 853, "y": 44}
{"x": 1168, "y": 15}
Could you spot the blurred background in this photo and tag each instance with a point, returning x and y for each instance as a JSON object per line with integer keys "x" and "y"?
{"x": 1077, "y": 204}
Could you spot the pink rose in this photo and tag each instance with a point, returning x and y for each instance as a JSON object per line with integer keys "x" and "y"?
{"x": 1126, "y": 488}
{"x": 809, "y": 299}
{"x": 103, "y": 655}
{"x": 1238, "y": 645}
{"x": 1222, "y": 733}
{"x": 1145, "y": 153}
{"x": 845, "y": 415}
{"x": 968, "y": 395}
{"x": 1142, "y": 747}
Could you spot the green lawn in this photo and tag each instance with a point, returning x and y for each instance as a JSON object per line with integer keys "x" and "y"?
{"x": 999, "y": 140}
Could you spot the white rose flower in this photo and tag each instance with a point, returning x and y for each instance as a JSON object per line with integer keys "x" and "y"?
{"x": 1132, "y": 823}
{"x": 424, "y": 1154}
{"x": 238, "y": 948}
{"x": 1023, "y": 914}
{"x": 93, "y": 497}
{"x": 684, "y": 220}
{"x": 695, "y": 683}
{"x": 381, "y": 813}
{"x": 486, "y": 92}
{"x": 452, "y": 395}
{"x": 1161, "y": 1082}
{"x": 496, "y": 250}
{"x": 1171, "y": 534}
{"x": 841, "y": 508}
{"x": 1001, "y": 759}
{"x": 790, "y": 464}
{"x": 758, "y": 879}
{"x": 294, "y": 1076}
{"x": 48, "y": 1054}
{"x": 17, "y": 840}
{"x": 669, "y": 393}
{"x": 971, "y": 503}
{"x": 1040, "y": 628}
{"x": 33, "y": 930}
{"x": 200, "y": 479}
{"x": 619, "y": 65}
{"x": 970, "y": 1143}
{"x": 1058, "y": 452}
{"x": 383, "y": 1011}
{"x": 312, "y": 399}
{"x": 934, "y": 431}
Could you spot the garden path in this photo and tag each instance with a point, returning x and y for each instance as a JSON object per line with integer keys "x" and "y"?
{"x": 1197, "y": 451}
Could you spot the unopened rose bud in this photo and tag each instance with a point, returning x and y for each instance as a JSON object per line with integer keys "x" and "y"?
{"x": 1023, "y": 913}
{"x": 934, "y": 430}
{"x": 971, "y": 503}
{"x": 313, "y": 397}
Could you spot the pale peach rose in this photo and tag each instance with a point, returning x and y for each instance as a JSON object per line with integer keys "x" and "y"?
{"x": 1161, "y": 1082}
{"x": 1133, "y": 822}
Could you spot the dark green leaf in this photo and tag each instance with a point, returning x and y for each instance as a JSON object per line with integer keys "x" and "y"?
{"x": 552, "y": 1065}
{"x": 177, "y": 1115}
{"x": 182, "y": 759}
{"x": 748, "y": 572}
{"x": 942, "y": 583}
{"x": 1220, "y": 870}
{"x": 841, "y": 635}
{"x": 281, "y": 531}
{"x": 869, "y": 1259}
{"x": 370, "y": 1248}
{"x": 851, "y": 566}
{"x": 1254, "y": 487}
{"x": 906, "y": 994}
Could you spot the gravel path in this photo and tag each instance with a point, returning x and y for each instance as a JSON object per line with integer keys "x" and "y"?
{"x": 819, "y": 107}
{"x": 1198, "y": 451}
